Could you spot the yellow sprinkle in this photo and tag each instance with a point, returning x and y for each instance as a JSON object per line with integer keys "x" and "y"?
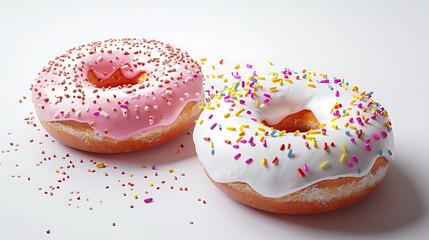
{"x": 385, "y": 112}
{"x": 151, "y": 184}
{"x": 334, "y": 118}
{"x": 217, "y": 104}
{"x": 100, "y": 165}
{"x": 220, "y": 76}
{"x": 323, "y": 75}
{"x": 57, "y": 171}
{"x": 270, "y": 62}
{"x": 213, "y": 67}
{"x": 346, "y": 124}
{"x": 353, "y": 127}
{"x": 342, "y": 157}
{"x": 239, "y": 139}
{"x": 316, "y": 132}
{"x": 231, "y": 128}
{"x": 203, "y": 59}
{"x": 288, "y": 80}
{"x": 373, "y": 110}
{"x": 355, "y": 89}
{"x": 309, "y": 138}
{"x": 201, "y": 121}
{"x": 262, "y": 138}
{"x": 283, "y": 132}
{"x": 322, "y": 125}
{"x": 212, "y": 75}
{"x": 136, "y": 196}
{"x": 354, "y": 96}
{"x": 276, "y": 79}
{"x": 334, "y": 126}
{"x": 202, "y": 107}
{"x": 260, "y": 78}
{"x": 212, "y": 144}
{"x": 324, "y": 164}
{"x": 311, "y": 85}
{"x": 210, "y": 107}
{"x": 345, "y": 114}
{"x": 264, "y": 161}
{"x": 239, "y": 112}
{"x": 261, "y": 129}
{"x": 245, "y": 125}
{"x": 387, "y": 124}
{"x": 240, "y": 129}
{"x": 256, "y": 133}
{"x": 171, "y": 170}
{"x": 237, "y": 66}
{"x": 343, "y": 147}
{"x": 296, "y": 132}
{"x": 352, "y": 101}
{"x": 313, "y": 141}
{"x": 273, "y": 89}
{"x": 225, "y": 80}
{"x": 227, "y": 115}
{"x": 257, "y": 103}
{"x": 362, "y": 93}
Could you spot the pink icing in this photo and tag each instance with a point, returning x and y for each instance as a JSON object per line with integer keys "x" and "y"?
{"x": 63, "y": 92}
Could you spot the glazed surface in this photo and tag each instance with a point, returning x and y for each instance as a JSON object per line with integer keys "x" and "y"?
{"x": 234, "y": 146}
{"x": 171, "y": 79}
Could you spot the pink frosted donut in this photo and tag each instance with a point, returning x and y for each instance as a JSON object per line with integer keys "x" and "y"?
{"x": 118, "y": 95}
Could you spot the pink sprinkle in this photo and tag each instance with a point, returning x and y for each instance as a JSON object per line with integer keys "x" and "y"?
{"x": 368, "y": 147}
{"x": 384, "y": 134}
{"x": 337, "y": 94}
{"x": 248, "y": 161}
{"x": 251, "y": 139}
{"x": 305, "y": 167}
{"x": 249, "y": 112}
{"x": 254, "y": 74}
{"x": 123, "y": 105}
{"x": 236, "y": 146}
{"x": 355, "y": 158}
{"x": 352, "y": 139}
{"x": 236, "y": 157}
{"x": 350, "y": 164}
{"x": 195, "y": 76}
{"x": 96, "y": 114}
{"x": 267, "y": 95}
{"x": 242, "y": 101}
{"x": 213, "y": 126}
{"x": 210, "y": 116}
{"x": 248, "y": 66}
{"x": 264, "y": 143}
{"x": 148, "y": 200}
{"x": 360, "y": 105}
{"x": 154, "y": 167}
{"x": 254, "y": 119}
{"x": 251, "y": 84}
{"x": 375, "y": 135}
{"x": 325, "y": 81}
{"x": 266, "y": 100}
{"x": 373, "y": 117}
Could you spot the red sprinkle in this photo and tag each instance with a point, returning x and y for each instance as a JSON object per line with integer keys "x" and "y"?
{"x": 301, "y": 172}
{"x": 282, "y": 147}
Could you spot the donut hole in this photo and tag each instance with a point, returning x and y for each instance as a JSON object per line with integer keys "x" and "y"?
{"x": 303, "y": 121}
{"x": 116, "y": 79}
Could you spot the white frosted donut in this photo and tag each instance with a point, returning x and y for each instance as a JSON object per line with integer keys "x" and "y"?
{"x": 340, "y": 155}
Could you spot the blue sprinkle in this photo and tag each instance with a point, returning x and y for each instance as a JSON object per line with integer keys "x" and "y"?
{"x": 389, "y": 152}
{"x": 273, "y": 132}
{"x": 212, "y": 151}
{"x": 348, "y": 133}
{"x": 357, "y": 132}
{"x": 359, "y": 170}
{"x": 344, "y": 111}
{"x": 380, "y": 152}
{"x": 220, "y": 127}
{"x": 289, "y": 153}
{"x": 330, "y": 87}
{"x": 236, "y": 85}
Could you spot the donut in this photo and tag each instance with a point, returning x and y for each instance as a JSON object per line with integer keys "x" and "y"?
{"x": 292, "y": 142}
{"x": 118, "y": 95}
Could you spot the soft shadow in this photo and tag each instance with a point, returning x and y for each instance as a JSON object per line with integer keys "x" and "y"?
{"x": 395, "y": 205}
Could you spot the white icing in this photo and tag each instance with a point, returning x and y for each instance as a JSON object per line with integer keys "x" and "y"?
{"x": 283, "y": 178}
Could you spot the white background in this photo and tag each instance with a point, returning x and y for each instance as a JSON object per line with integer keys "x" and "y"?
{"x": 381, "y": 46}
